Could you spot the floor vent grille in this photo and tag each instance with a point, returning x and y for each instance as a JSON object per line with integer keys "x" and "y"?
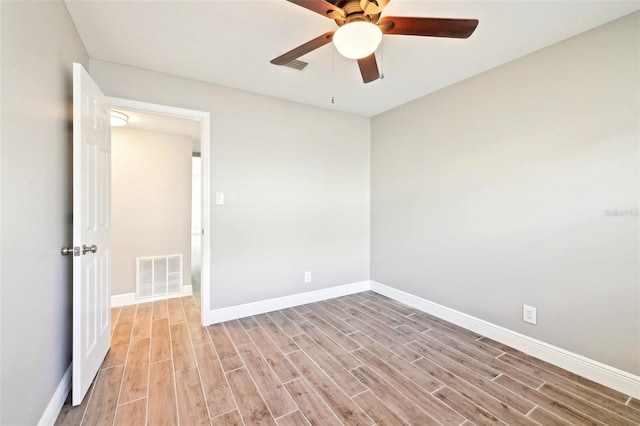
{"x": 158, "y": 275}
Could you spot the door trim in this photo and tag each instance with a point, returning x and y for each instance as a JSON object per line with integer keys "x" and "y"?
{"x": 205, "y": 154}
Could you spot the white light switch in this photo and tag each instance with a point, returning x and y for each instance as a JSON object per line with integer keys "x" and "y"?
{"x": 219, "y": 198}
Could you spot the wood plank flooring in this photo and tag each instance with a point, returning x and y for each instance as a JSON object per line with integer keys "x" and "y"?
{"x": 361, "y": 359}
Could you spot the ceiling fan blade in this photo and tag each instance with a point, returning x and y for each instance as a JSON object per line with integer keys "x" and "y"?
{"x": 322, "y": 7}
{"x": 303, "y": 49}
{"x": 369, "y": 68}
{"x": 430, "y": 27}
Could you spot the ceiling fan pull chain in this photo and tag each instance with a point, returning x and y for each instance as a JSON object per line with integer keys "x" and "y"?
{"x": 333, "y": 73}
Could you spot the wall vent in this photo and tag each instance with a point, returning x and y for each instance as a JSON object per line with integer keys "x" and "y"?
{"x": 297, "y": 65}
{"x": 158, "y": 275}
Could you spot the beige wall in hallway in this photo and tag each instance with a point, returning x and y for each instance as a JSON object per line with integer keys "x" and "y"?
{"x": 151, "y": 201}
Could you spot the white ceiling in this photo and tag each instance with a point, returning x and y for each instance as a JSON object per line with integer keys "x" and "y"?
{"x": 230, "y": 43}
{"x": 164, "y": 123}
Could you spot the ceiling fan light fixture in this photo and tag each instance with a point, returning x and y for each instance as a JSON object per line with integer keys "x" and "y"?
{"x": 119, "y": 118}
{"x": 357, "y": 40}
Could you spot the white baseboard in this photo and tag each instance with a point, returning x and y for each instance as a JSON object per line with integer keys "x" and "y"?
{"x": 126, "y": 299}
{"x": 240, "y": 311}
{"x": 52, "y": 411}
{"x": 612, "y": 377}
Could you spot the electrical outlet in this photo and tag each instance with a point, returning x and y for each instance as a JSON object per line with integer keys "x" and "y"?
{"x": 307, "y": 277}
{"x": 529, "y": 314}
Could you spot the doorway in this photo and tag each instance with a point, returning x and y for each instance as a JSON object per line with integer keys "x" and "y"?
{"x": 199, "y": 238}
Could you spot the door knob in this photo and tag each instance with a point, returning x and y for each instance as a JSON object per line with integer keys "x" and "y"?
{"x": 66, "y": 251}
{"x": 86, "y": 248}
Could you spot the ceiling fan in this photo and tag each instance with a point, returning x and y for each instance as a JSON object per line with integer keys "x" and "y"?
{"x": 361, "y": 29}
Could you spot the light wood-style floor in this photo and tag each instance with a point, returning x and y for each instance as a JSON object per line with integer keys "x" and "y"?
{"x": 356, "y": 360}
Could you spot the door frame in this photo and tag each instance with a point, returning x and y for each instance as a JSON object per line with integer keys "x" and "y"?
{"x": 205, "y": 155}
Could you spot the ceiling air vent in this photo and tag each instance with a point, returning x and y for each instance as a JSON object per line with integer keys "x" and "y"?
{"x": 297, "y": 65}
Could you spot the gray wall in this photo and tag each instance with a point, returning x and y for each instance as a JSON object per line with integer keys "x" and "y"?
{"x": 39, "y": 44}
{"x": 295, "y": 179}
{"x": 150, "y": 202}
{"x": 496, "y": 192}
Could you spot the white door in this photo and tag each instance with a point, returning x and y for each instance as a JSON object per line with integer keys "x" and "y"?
{"x": 91, "y": 221}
